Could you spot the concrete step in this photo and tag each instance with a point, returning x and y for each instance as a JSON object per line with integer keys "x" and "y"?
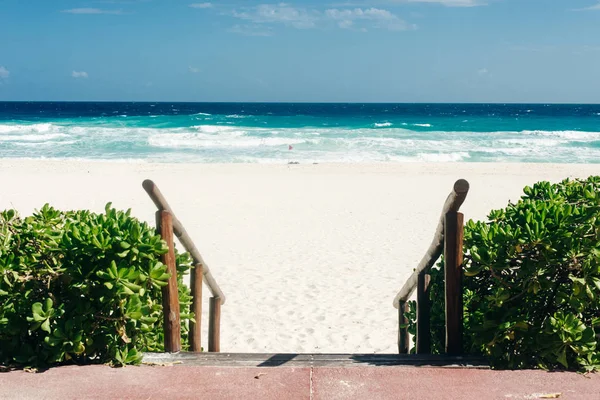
{"x": 312, "y": 360}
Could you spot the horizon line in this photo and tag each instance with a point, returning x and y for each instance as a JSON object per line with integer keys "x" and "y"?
{"x": 296, "y": 102}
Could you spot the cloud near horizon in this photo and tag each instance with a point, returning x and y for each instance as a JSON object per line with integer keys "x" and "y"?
{"x": 590, "y": 8}
{"x": 79, "y": 74}
{"x": 251, "y": 30}
{"x": 90, "y": 11}
{"x": 449, "y": 3}
{"x": 446, "y": 3}
{"x": 4, "y": 73}
{"x": 201, "y": 5}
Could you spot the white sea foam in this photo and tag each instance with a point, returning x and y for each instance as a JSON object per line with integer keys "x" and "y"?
{"x": 573, "y": 135}
{"x": 533, "y": 142}
{"x": 48, "y": 143}
{"x": 46, "y": 127}
{"x": 221, "y": 130}
{"x": 423, "y": 125}
{"x": 227, "y": 143}
{"x": 382, "y": 124}
{"x": 32, "y": 137}
{"x": 191, "y": 140}
{"x": 237, "y": 116}
{"x": 443, "y": 157}
{"x": 87, "y": 159}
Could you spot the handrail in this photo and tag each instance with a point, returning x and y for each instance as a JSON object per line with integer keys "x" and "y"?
{"x": 185, "y": 240}
{"x": 455, "y": 199}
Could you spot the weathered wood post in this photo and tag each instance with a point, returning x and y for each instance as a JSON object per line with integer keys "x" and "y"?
{"x": 453, "y": 259}
{"x": 423, "y": 314}
{"x": 447, "y": 239}
{"x": 170, "y": 295}
{"x": 403, "y": 337}
{"x": 195, "y": 327}
{"x": 214, "y": 325}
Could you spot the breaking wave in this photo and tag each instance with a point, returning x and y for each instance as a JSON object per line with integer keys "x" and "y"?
{"x": 382, "y": 142}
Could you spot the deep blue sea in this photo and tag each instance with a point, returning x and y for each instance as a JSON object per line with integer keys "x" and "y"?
{"x": 302, "y": 132}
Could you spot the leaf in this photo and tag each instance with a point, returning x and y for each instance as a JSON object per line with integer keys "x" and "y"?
{"x": 48, "y": 304}
{"x": 562, "y": 357}
{"x": 126, "y": 290}
{"x": 37, "y": 308}
{"x": 133, "y": 286}
{"x": 134, "y": 315}
{"x": 123, "y": 254}
{"x": 46, "y": 325}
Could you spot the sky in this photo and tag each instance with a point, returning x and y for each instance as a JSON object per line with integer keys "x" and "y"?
{"x": 529, "y": 51}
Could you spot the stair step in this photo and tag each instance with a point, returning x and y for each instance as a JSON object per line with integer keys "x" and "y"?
{"x": 313, "y": 360}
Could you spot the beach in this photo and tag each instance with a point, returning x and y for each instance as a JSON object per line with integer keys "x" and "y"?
{"x": 310, "y": 256}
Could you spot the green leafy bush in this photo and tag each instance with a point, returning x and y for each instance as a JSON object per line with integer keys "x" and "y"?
{"x": 82, "y": 287}
{"x": 532, "y": 281}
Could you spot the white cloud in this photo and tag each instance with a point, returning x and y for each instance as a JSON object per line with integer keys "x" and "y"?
{"x": 590, "y": 8}
{"x": 447, "y": 3}
{"x": 92, "y": 11}
{"x": 453, "y": 3}
{"x": 4, "y": 73}
{"x": 281, "y": 13}
{"x": 346, "y": 24}
{"x": 301, "y": 18}
{"x": 193, "y": 70}
{"x": 483, "y": 71}
{"x": 122, "y": 1}
{"x": 201, "y": 5}
{"x": 79, "y": 74}
{"x": 251, "y": 30}
{"x": 383, "y": 19}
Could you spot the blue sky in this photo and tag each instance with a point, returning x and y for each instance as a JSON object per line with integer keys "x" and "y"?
{"x": 301, "y": 50}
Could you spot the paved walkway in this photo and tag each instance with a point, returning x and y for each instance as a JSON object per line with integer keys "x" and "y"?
{"x": 331, "y": 383}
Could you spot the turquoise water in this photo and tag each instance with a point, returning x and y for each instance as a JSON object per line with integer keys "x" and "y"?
{"x": 280, "y": 133}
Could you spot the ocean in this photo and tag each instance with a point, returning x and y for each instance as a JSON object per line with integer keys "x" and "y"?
{"x": 300, "y": 132}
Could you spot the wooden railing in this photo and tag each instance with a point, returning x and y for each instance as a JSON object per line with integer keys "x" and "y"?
{"x": 449, "y": 239}
{"x": 168, "y": 225}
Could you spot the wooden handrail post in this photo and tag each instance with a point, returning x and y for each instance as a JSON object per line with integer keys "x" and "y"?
{"x": 170, "y": 294}
{"x": 195, "y": 327}
{"x": 423, "y": 315}
{"x": 214, "y": 325}
{"x": 185, "y": 240}
{"x": 403, "y": 337}
{"x": 435, "y": 250}
{"x": 453, "y": 259}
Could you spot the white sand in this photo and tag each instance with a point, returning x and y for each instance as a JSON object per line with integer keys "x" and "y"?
{"x": 309, "y": 256}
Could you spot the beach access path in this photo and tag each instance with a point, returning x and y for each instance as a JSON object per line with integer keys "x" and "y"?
{"x": 310, "y": 257}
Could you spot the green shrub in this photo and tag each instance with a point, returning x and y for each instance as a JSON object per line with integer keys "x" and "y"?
{"x": 82, "y": 287}
{"x": 532, "y": 281}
